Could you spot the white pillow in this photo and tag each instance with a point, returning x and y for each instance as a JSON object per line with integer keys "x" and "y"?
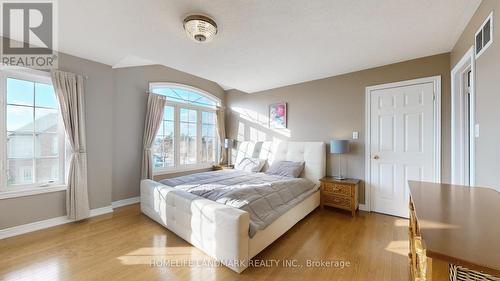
{"x": 250, "y": 164}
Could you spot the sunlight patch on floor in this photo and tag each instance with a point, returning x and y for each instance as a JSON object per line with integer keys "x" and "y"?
{"x": 401, "y": 222}
{"x": 150, "y": 255}
{"x": 42, "y": 271}
{"x": 400, "y": 247}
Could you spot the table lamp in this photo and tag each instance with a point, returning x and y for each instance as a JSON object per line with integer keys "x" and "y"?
{"x": 339, "y": 147}
{"x": 228, "y": 145}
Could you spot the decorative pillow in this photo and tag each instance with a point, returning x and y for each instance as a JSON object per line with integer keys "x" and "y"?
{"x": 286, "y": 168}
{"x": 250, "y": 164}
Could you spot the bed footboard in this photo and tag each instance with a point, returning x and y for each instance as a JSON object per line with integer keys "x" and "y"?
{"x": 220, "y": 231}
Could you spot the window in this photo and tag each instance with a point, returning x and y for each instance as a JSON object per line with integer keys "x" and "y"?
{"x": 187, "y": 138}
{"x": 32, "y": 142}
{"x": 208, "y": 136}
{"x": 484, "y": 36}
{"x": 188, "y": 122}
{"x": 163, "y": 147}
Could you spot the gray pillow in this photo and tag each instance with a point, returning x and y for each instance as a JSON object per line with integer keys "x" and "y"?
{"x": 286, "y": 168}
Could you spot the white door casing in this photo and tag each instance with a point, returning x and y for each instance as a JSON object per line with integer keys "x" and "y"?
{"x": 403, "y": 141}
{"x": 459, "y": 160}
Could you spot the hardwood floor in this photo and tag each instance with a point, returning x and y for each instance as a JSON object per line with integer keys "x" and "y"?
{"x": 124, "y": 245}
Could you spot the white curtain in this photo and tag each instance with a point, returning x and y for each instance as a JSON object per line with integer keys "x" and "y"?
{"x": 154, "y": 116}
{"x": 69, "y": 92}
{"x": 221, "y": 132}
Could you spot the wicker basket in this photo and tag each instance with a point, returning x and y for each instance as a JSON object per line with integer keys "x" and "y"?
{"x": 459, "y": 273}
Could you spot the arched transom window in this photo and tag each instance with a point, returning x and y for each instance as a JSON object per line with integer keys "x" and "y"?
{"x": 187, "y": 138}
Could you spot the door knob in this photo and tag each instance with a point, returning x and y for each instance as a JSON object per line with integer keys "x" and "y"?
{"x": 376, "y": 157}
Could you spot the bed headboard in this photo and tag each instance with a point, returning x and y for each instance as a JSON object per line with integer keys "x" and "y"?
{"x": 312, "y": 153}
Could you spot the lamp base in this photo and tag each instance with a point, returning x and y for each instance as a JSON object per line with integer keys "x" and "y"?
{"x": 339, "y": 177}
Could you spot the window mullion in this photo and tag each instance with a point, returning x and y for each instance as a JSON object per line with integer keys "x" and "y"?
{"x": 199, "y": 142}
{"x": 3, "y": 131}
{"x": 177, "y": 146}
{"x": 34, "y": 178}
{"x": 216, "y": 143}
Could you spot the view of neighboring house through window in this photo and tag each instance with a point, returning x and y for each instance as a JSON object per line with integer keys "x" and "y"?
{"x": 187, "y": 145}
{"x": 208, "y": 136}
{"x": 34, "y": 135}
{"x": 187, "y": 137}
{"x": 163, "y": 149}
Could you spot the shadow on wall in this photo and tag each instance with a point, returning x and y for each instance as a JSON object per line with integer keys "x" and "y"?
{"x": 249, "y": 125}
{"x": 254, "y": 126}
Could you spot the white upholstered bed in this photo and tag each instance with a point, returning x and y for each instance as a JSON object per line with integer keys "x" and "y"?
{"x": 221, "y": 231}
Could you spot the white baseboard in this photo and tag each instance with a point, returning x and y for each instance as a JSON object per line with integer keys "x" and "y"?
{"x": 101, "y": 211}
{"x": 34, "y": 226}
{"x": 125, "y": 202}
{"x": 363, "y": 207}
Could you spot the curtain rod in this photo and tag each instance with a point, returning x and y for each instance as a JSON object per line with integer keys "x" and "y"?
{"x": 149, "y": 92}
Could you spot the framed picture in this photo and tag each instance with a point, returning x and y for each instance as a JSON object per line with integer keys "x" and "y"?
{"x": 277, "y": 115}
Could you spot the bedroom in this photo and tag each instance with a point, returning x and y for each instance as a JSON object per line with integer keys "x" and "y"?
{"x": 304, "y": 92}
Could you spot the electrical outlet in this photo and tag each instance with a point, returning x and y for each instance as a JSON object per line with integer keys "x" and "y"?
{"x": 355, "y": 135}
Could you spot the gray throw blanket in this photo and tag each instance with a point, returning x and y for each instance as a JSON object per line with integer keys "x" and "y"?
{"x": 264, "y": 197}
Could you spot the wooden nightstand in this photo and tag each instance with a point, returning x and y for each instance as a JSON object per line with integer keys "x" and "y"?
{"x": 222, "y": 167}
{"x": 341, "y": 194}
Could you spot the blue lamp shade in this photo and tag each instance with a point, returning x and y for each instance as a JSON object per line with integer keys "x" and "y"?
{"x": 339, "y": 146}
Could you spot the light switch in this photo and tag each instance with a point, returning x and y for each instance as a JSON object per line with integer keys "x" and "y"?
{"x": 476, "y": 130}
{"x": 355, "y": 135}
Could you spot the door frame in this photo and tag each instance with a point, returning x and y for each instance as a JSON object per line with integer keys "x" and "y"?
{"x": 436, "y": 80}
{"x": 458, "y": 122}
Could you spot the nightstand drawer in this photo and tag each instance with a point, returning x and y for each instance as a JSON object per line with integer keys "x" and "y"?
{"x": 337, "y": 201}
{"x": 335, "y": 188}
{"x": 342, "y": 194}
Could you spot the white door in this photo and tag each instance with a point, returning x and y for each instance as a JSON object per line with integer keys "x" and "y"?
{"x": 402, "y": 144}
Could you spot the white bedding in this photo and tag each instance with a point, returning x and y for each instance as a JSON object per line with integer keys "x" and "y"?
{"x": 265, "y": 197}
{"x": 221, "y": 231}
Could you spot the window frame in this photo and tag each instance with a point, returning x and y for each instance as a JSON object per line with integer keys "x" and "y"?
{"x": 6, "y": 191}
{"x": 199, "y": 109}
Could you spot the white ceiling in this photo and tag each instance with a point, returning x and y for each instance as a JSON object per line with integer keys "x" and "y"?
{"x": 262, "y": 44}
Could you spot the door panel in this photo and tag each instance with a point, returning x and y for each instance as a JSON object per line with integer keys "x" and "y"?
{"x": 386, "y": 133}
{"x": 413, "y": 132}
{"x": 402, "y": 144}
{"x": 387, "y": 186}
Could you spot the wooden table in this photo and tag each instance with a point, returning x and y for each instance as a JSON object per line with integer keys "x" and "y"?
{"x": 453, "y": 225}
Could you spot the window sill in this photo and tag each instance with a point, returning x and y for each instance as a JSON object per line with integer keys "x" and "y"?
{"x": 9, "y": 193}
{"x": 183, "y": 169}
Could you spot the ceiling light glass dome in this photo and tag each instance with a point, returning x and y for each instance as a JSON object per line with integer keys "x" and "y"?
{"x": 200, "y": 28}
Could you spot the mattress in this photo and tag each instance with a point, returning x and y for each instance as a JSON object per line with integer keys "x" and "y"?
{"x": 265, "y": 197}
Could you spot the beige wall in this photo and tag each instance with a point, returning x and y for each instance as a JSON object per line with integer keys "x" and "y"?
{"x": 487, "y": 95}
{"x": 334, "y": 107}
{"x": 130, "y": 108}
{"x": 318, "y": 111}
{"x": 99, "y": 119}
{"x": 115, "y": 103}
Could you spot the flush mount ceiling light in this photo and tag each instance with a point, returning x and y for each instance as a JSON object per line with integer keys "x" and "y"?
{"x": 200, "y": 28}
